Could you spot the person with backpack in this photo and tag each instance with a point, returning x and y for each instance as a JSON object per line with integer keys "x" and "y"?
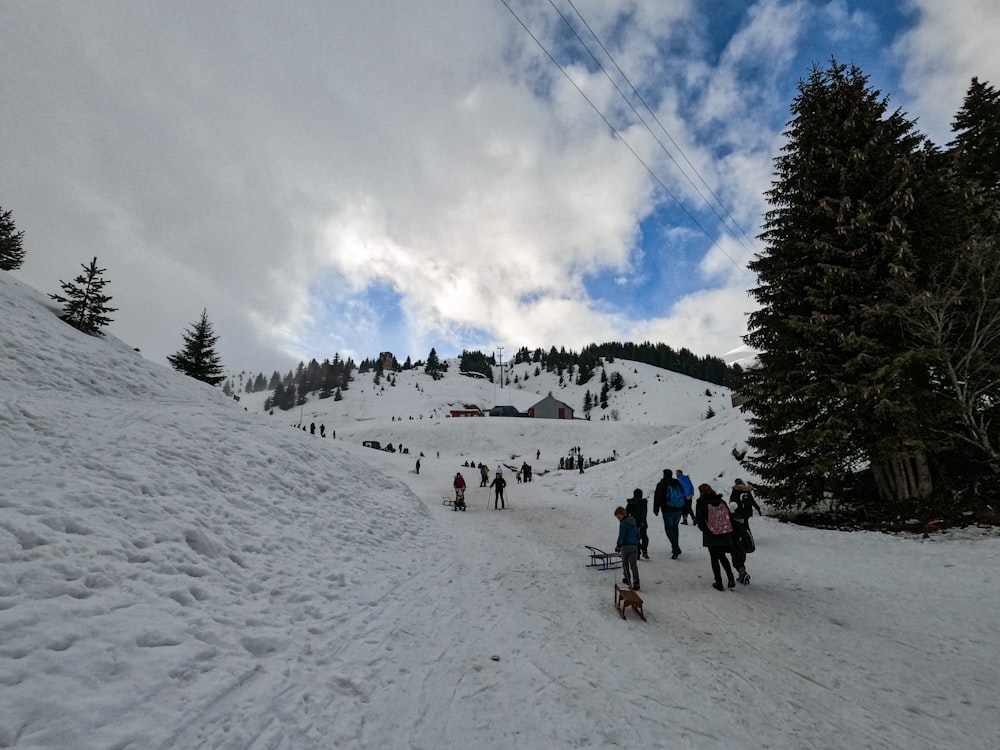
{"x": 637, "y": 507}
{"x": 712, "y": 516}
{"x": 669, "y": 497}
{"x": 628, "y": 546}
{"x": 742, "y": 504}
{"x": 686, "y": 483}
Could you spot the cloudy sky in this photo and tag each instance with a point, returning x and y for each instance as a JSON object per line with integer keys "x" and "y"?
{"x": 353, "y": 177}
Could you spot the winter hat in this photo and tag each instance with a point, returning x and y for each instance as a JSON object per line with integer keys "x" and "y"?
{"x": 637, "y": 493}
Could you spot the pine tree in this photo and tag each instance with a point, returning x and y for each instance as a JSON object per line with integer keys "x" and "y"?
{"x": 957, "y": 318}
{"x": 198, "y": 359}
{"x": 433, "y": 364}
{"x": 833, "y": 388}
{"x": 11, "y": 242}
{"x": 976, "y": 148}
{"x": 85, "y": 305}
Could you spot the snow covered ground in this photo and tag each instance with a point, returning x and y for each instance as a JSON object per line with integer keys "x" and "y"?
{"x": 178, "y": 571}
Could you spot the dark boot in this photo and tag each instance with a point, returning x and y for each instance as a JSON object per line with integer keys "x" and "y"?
{"x": 717, "y": 586}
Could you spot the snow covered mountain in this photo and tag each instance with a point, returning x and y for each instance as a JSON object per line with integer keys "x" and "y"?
{"x": 181, "y": 570}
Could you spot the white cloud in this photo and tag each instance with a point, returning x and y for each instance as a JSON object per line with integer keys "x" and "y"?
{"x": 950, "y": 43}
{"x": 271, "y": 164}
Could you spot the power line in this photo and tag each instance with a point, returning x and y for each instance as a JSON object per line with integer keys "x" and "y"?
{"x": 656, "y": 119}
{"x": 619, "y": 136}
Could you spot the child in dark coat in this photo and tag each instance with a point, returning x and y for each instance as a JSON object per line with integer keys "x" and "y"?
{"x": 628, "y": 546}
{"x": 742, "y": 504}
{"x": 638, "y": 507}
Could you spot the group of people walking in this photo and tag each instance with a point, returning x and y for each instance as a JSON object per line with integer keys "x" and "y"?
{"x": 725, "y": 526}
{"x": 497, "y": 485}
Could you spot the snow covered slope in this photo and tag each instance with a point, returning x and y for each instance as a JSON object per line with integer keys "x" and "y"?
{"x": 178, "y": 572}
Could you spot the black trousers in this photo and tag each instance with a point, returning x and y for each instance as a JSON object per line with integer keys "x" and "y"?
{"x": 718, "y": 555}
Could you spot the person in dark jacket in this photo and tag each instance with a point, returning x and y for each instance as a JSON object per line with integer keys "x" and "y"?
{"x": 459, "y": 485}
{"x": 638, "y": 507}
{"x": 499, "y": 483}
{"x": 742, "y": 505}
{"x": 628, "y": 546}
{"x": 712, "y": 516}
{"x": 669, "y": 497}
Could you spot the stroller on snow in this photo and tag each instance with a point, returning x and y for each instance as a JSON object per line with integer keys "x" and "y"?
{"x": 459, "y": 499}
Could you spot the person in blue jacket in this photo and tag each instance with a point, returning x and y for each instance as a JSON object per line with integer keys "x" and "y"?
{"x": 628, "y": 546}
{"x": 688, "y": 486}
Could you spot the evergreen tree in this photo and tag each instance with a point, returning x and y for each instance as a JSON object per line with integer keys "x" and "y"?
{"x": 198, "y": 359}
{"x": 976, "y": 147}
{"x": 278, "y": 397}
{"x": 957, "y": 318}
{"x": 433, "y": 365}
{"x": 11, "y": 242}
{"x": 85, "y": 305}
{"x": 834, "y": 385}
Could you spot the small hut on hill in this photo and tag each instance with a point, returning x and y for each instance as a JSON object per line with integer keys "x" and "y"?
{"x": 551, "y": 408}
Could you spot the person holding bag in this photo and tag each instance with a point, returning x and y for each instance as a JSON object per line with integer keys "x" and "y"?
{"x": 741, "y": 506}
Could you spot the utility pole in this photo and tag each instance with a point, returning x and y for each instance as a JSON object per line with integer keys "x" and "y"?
{"x": 500, "y": 349}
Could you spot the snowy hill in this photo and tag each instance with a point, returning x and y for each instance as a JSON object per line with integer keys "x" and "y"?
{"x": 178, "y": 571}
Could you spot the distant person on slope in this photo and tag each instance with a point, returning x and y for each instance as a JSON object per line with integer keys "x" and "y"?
{"x": 499, "y": 483}
{"x": 459, "y": 485}
{"x": 484, "y": 475}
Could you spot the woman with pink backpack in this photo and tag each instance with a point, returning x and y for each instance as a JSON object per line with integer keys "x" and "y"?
{"x": 712, "y": 516}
